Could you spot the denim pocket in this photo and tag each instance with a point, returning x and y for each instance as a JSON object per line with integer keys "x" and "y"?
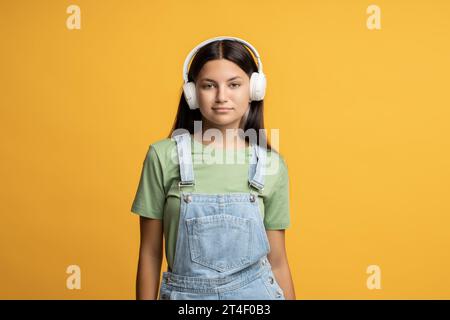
{"x": 221, "y": 242}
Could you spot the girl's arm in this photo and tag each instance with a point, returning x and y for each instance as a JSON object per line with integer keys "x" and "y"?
{"x": 150, "y": 259}
{"x": 278, "y": 259}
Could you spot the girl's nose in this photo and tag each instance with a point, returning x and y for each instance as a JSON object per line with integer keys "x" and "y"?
{"x": 221, "y": 93}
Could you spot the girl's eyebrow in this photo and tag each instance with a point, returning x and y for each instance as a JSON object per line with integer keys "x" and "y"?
{"x": 206, "y": 79}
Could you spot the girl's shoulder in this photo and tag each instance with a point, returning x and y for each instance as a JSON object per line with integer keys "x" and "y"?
{"x": 276, "y": 164}
{"x": 164, "y": 151}
{"x": 163, "y": 144}
{"x": 274, "y": 155}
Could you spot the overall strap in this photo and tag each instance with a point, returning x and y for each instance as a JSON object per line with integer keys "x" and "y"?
{"x": 185, "y": 159}
{"x": 256, "y": 170}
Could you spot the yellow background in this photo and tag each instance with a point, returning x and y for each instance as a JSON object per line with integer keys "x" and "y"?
{"x": 363, "y": 118}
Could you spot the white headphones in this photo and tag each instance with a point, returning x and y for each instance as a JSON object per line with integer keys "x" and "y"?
{"x": 257, "y": 80}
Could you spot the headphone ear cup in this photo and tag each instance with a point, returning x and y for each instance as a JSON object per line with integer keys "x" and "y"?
{"x": 258, "y": 84}
{"x": 190, "y": 95}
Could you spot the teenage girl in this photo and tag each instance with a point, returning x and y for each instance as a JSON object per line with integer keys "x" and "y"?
{"x": 223, "y": 221}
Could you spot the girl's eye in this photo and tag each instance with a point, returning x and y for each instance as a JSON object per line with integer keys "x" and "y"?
{"x": 234, "y": 85}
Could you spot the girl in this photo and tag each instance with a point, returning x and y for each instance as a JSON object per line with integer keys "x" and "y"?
{"x": 223, "y": 224}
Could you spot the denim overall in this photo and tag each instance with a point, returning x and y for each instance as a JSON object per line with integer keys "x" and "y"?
{"x": 222, "y": 245}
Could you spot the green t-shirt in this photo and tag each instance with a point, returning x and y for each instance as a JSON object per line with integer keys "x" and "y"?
{"x": 157, "y": 196}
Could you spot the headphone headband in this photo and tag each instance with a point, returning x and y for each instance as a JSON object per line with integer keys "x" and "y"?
{"x": 197, "y": 48}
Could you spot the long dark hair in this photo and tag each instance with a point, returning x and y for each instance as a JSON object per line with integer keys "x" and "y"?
{"x": 235, "y": 52}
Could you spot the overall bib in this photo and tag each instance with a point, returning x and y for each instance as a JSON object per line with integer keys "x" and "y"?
{"x": 222, "y": 245}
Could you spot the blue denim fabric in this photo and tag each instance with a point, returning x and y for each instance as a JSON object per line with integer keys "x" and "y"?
{"x": 222, "y": 245}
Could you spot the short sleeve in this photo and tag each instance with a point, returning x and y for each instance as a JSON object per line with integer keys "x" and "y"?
{"x": 276, "y": 206}
{"x": 150, "y": 197}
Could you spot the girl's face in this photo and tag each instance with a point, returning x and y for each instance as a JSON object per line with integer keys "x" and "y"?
{"x": 222, "y": 84}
